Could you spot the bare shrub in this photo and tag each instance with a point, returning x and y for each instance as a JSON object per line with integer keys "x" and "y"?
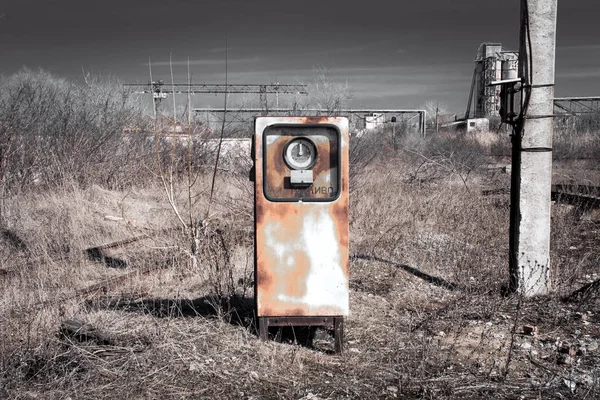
{"x": 429, "y": 228}
{"x": 576, "y": 145}
{"x": 574, "y": 137}
{"x": 439, "y": 157}
{"x": 327, "y": 94}
{"x": 501, "y": 145}
{"x": 55, "y": 132}
{"x": 581, "y": 123}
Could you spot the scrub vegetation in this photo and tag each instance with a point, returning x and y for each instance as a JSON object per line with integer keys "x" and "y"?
{"x": 103, "y": 295}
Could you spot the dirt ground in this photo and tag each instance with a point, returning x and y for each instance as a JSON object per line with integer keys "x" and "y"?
{"x": 429, "y": 313}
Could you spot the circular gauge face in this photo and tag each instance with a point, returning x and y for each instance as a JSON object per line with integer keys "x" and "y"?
{"x": 300, "y": 153}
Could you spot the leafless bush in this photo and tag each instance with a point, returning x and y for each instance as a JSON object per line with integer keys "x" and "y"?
{"x": 54, "y": 132}
{"x": 440, "y": 157}
{"x": 572, "y": 145}
{"x": 574, "y": 137}
{"x": 581, "y": 123}
{"x": 327, "y": 94}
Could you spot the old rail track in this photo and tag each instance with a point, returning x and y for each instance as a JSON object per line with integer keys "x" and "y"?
{"x": 582, "y": 196}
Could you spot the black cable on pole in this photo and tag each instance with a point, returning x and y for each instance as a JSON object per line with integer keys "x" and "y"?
{"x": 528, "y": 84}
{"x": 517, "y": 137}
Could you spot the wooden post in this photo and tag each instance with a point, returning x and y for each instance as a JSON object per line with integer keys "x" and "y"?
{"x": 338, "y": 329}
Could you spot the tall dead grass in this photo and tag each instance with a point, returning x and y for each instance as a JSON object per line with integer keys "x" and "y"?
{"x": 429, "y": 317}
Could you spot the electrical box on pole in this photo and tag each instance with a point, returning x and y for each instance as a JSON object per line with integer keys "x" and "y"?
{"x": 301, "y": 222}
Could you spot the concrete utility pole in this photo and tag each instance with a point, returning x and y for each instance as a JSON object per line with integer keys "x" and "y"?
{"x": 532, "y": 152}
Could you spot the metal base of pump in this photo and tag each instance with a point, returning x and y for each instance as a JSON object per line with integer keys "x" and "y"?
{"x": 336, "y": 322}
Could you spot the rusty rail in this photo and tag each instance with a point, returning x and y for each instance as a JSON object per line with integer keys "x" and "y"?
{"x": 583, "y": 196}
{"x": 90, "y": 250}
{"x": 100, "y": 288}
{"x": 583, "y": 201}
{"x": 105, "y": 285}
{"x": 112, "y": 282}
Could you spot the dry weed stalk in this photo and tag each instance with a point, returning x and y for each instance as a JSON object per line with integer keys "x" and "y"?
{"x": 194, "y": 226}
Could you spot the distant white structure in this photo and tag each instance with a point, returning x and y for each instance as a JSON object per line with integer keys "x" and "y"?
{"x": 374, "y": 120}
{"x": 175, "y": 129}
{"x": 478, "y": 125}
{"x": 470, "y": 125}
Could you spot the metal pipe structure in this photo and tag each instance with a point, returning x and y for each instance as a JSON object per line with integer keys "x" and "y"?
{"x": 577, "y": 105}
{"x": 360, "y": 112}
{"x": 532, "y": 152}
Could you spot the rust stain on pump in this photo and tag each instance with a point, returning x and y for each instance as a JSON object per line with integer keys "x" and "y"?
{"x": 301, "y": 243}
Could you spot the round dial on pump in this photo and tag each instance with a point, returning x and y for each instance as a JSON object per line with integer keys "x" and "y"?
{"x": 300, "y": 153}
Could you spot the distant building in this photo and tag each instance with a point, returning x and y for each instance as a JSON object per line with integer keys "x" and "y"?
{"x": 469, "y": 125}
{"x": 175, "y": 129}
{"x": 374, "y": 120}
{"x": 478, "y": 125}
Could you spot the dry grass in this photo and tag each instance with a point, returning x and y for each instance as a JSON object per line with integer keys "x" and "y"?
{"x": 428, "y": 315}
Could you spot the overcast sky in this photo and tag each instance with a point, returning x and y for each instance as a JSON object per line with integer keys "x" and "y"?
{"x": 394, "y": 53}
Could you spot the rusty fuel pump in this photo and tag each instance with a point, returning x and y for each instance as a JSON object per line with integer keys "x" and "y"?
{"x": 301, "y": 222}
